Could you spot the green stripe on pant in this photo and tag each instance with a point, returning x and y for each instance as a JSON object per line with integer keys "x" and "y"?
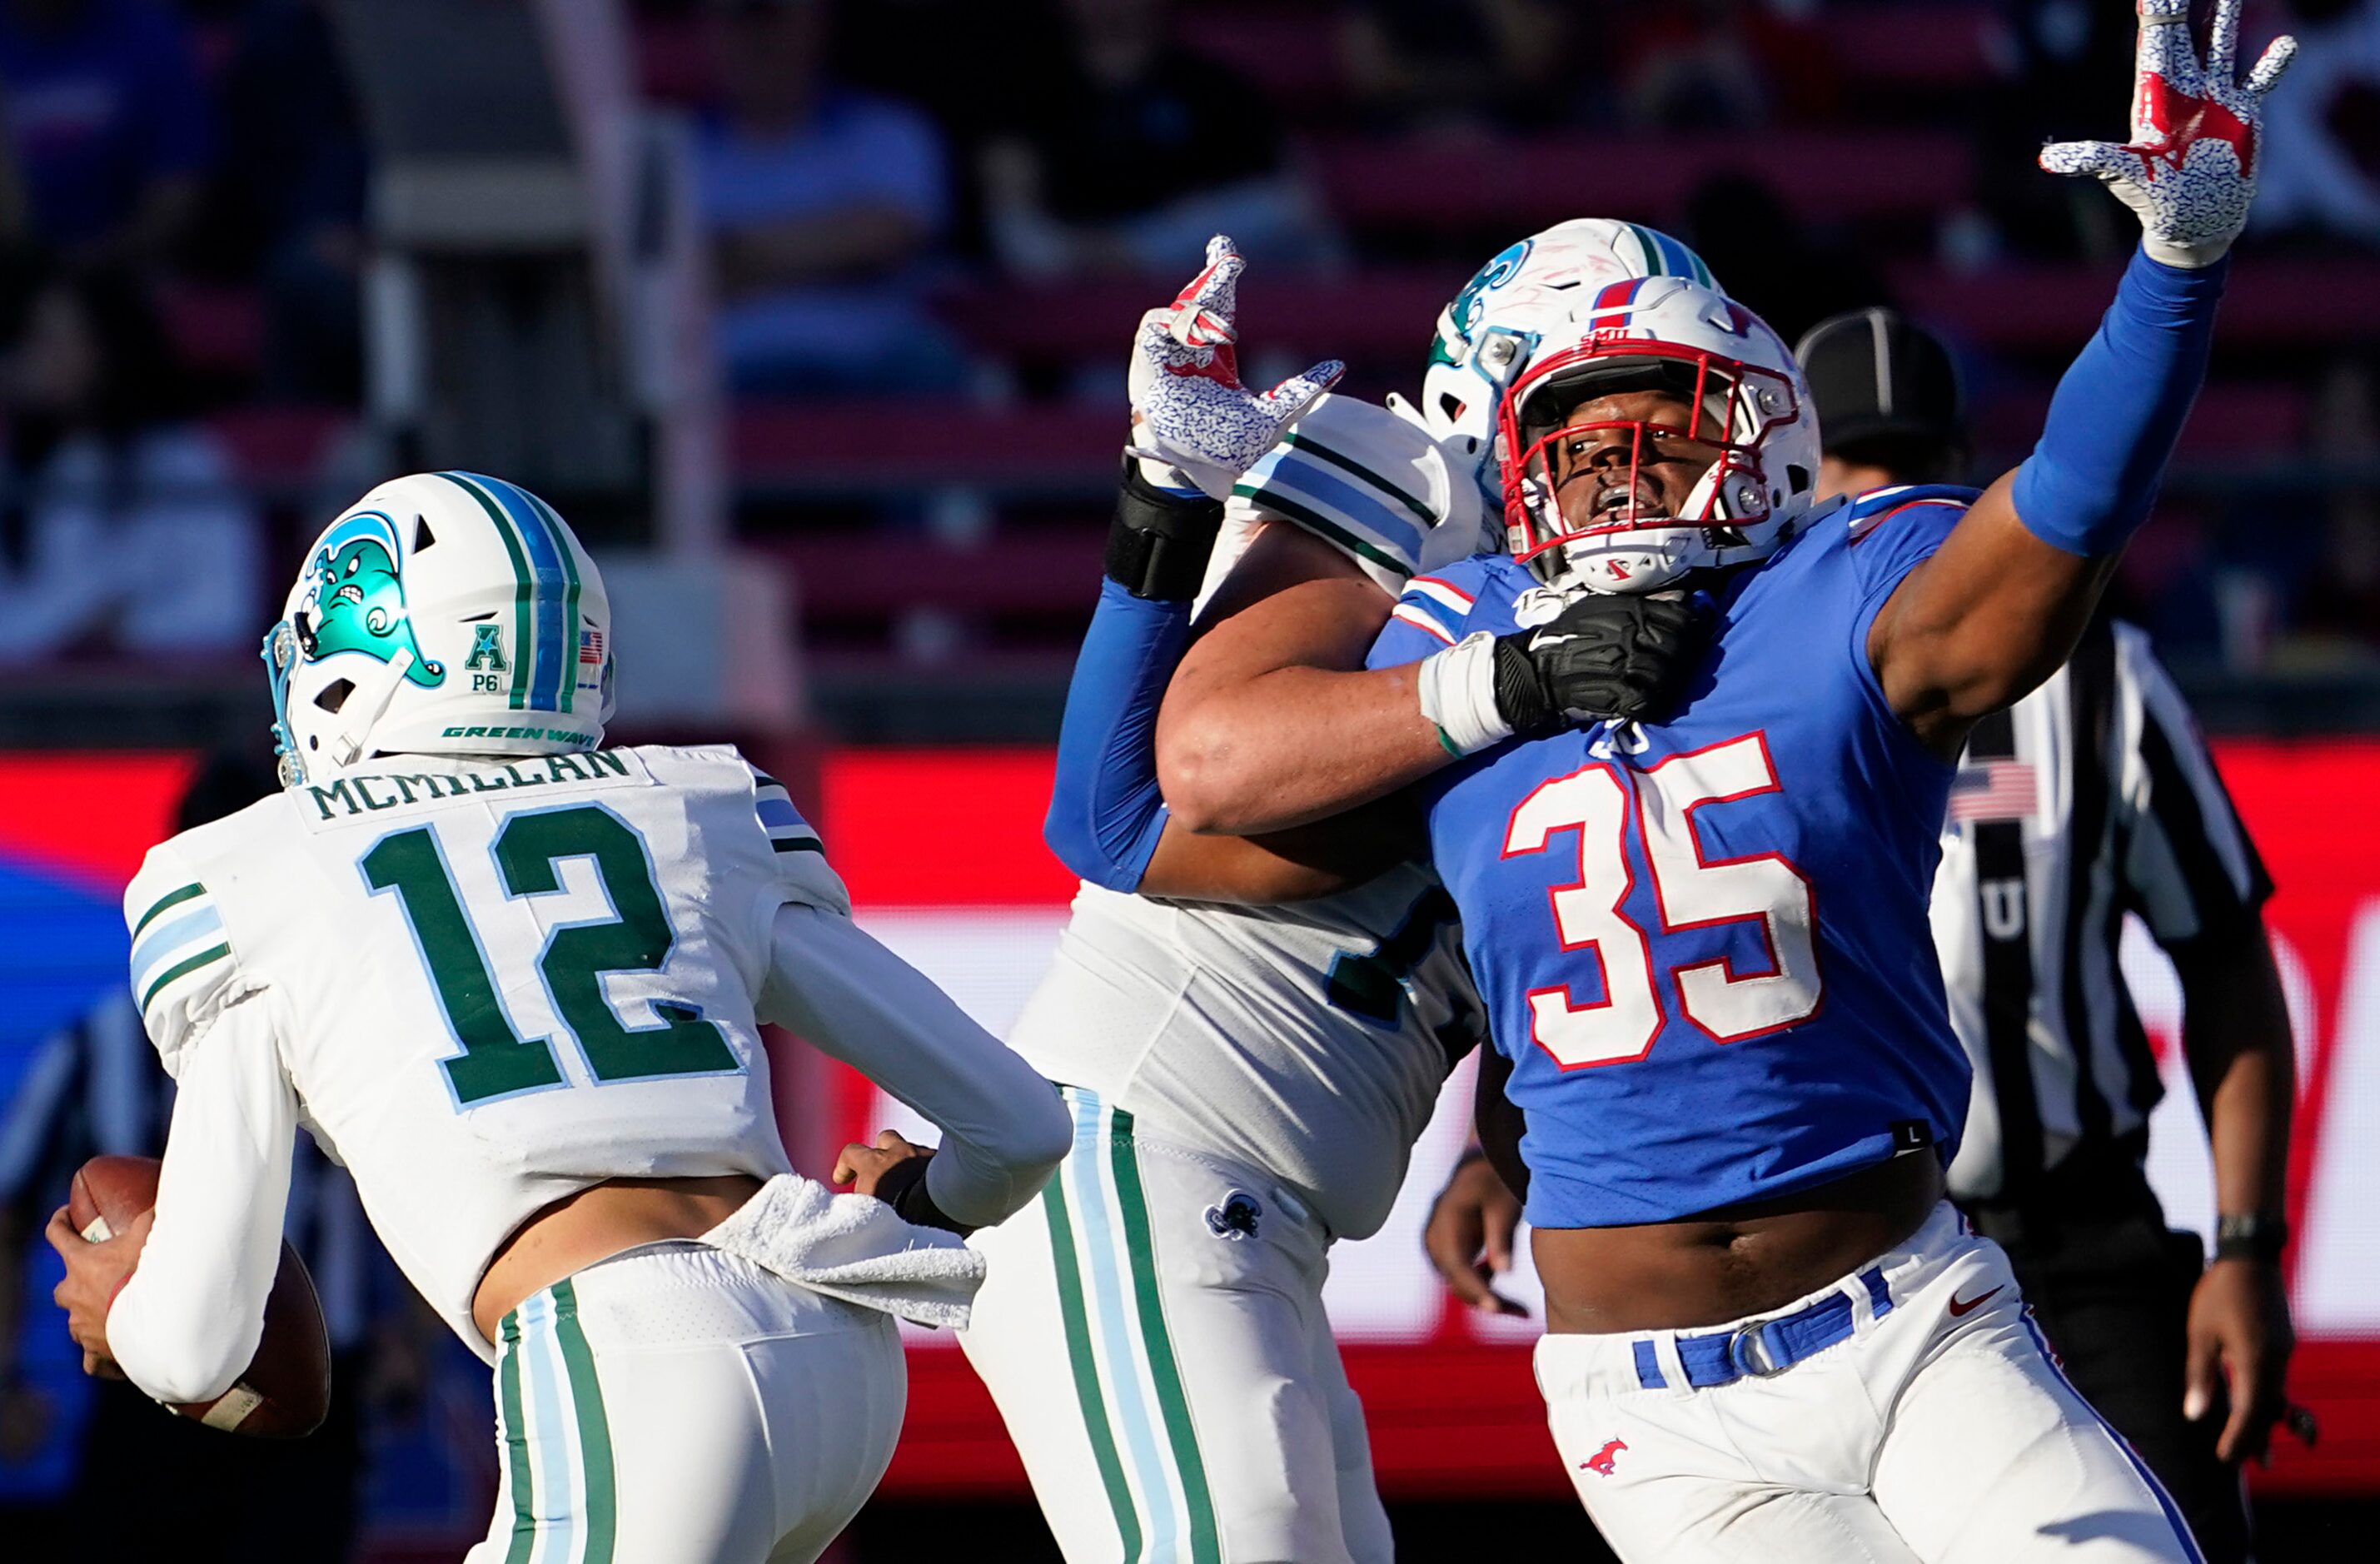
{"x": 1086, "y": 1370}
{"x": 1131, "y": 1330}
{"x": 594, "y": 1431}
{"x": 508, "y": 1381}
{"x": 1163, "y": 1370}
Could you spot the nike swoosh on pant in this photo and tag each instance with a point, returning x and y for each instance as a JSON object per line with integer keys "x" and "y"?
{"x": 1959, "y": 1307}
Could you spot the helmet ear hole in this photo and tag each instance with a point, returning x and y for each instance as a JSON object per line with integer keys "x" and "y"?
{"x": 1798, "y": 476}
{"x": 333, "y": 695}
{"x": 422, "y": 537}
{"x": 1451, "y": 405}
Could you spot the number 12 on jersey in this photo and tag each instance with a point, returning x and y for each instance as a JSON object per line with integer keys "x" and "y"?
{"x": 1690, "y": 891}
{"x": 528, "y": 848}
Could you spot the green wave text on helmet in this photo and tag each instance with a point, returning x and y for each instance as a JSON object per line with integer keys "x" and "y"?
{"x": 357, "y": 602}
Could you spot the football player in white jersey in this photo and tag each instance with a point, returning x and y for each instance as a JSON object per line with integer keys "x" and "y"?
{"x": 1247, "y": 1084}
{"x": 514, "y": 981}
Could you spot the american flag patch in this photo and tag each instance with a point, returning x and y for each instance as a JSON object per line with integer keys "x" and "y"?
{"x": 590, "y": 647}
{"x": 1995, "y": 789}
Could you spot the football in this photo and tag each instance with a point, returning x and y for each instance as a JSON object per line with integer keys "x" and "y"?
{"x": 286, "y": 1391}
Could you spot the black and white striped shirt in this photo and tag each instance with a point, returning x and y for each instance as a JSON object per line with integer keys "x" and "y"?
{"x": 95, "y": 1088}
{"x": 2091, "y": 799}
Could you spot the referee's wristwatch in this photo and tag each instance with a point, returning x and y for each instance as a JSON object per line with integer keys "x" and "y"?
{"x": 2256, "y": 1236}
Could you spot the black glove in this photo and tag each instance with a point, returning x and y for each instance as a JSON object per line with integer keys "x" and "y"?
{"x": 1158, "y": 542}
{"x": 1604, "y": 656}
{"x": 903, "y": 1187}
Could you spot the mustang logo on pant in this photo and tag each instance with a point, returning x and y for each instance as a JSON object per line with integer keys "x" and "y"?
{"x": 1600, "y": 1462}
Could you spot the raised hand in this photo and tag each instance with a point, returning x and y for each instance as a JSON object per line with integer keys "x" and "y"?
{"x": 1192, "y": 424}
{"x": 2190, "y": 170}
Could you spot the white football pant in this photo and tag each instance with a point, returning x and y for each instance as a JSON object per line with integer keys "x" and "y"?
{"x": 1940, "y": 1432}
{"x": 1152, "y": 1329}
{"x": 678, "y": 1406}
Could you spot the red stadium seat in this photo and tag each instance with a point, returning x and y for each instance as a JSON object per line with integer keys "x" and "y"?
{"x": 878, "y": 575}
{"x": 2254, "y": 421}
{"x": 1934, "y": 47}
{"x": 1386, "y": 313}
{"x": 1821, "y": 174}
{"x": 1292, "y": 55}
{"x": 2054, "y": 308}
{"x": 901, "y": 446}
{"x": 1361, "y": 315}
{"x": 214, "y": 328}
{"x": 279, "y": 449}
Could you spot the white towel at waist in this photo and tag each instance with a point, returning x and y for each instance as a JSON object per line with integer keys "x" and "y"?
{"x": 855, "y": 1248}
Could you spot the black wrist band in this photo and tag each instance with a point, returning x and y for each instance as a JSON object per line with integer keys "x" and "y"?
{"x": 2253, "y": 1236}
{"x": 1158, "y": 543}
{"x": 903, "y": 1187}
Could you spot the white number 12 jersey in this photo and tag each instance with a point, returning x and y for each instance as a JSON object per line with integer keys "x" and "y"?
{"x": 492, "y": 984}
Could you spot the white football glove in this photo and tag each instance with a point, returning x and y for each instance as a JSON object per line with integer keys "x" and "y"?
{"x": 2190, "y": 170}
{"x": 1194, "y": 426}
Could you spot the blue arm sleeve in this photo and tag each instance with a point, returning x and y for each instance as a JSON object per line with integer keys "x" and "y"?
{"x": 2112, "y": 425}
{"x": 1106, "y": 813}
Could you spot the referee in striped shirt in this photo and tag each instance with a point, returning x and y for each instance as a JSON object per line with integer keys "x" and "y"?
{"x": 2091, "y": 799}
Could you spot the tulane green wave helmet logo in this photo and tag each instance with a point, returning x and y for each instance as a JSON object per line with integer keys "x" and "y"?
{"x": 1472, "y": 302}
{"x": 357, "y": 602}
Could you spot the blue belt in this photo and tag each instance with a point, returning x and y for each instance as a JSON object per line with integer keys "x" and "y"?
{"x": 1764, "y": 1347}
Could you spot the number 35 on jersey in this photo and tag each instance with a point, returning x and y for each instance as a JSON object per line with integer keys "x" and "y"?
{"x": 1594, "y": 813}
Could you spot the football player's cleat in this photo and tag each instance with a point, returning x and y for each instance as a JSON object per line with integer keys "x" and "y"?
{"x": 1749, "y": 405}
{"x": 1534, "y": 293}
{"x": 2189, "y": 172}
{"x": 1193, "y": 423}
{"x": 444, "y": 613}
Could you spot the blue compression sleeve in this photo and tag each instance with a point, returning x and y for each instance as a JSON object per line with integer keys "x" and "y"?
{"x": 2112, "y": 425}
{"x": 1106, "y": 812}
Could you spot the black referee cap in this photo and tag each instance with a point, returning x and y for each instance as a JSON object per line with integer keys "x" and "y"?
{"x": 1877, "y": 376}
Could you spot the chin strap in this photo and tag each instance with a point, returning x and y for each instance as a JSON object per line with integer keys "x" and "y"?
{"x": 365, "y": 708}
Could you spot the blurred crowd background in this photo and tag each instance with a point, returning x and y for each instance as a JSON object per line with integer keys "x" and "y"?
{"x": 925, "y": 227}
{"x": 813, "y": 316}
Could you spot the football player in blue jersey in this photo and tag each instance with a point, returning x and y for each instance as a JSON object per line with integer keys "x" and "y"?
{"x": 1702, "y": 934}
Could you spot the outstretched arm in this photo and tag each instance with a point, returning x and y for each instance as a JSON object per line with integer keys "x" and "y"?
{"x": 840, "y": 990}
{"x": 2000, "y": 604}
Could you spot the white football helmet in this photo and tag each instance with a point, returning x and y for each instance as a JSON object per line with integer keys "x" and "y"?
{"x": 1538, "y": 291}
{"x": 1748, "y": 403}
{"x": 444, "y": 613}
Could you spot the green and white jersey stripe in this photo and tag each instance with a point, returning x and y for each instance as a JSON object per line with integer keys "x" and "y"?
{"x": 1127, "y": 1378}
{"x": 788, "y": 831}
{"x": 1372, "y": 484}
{"x": 1325, "y": 489}
{"x": 178, "y": 945}
{"x": 557, "y": 1442}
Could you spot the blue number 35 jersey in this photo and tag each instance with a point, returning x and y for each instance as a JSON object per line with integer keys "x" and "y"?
{"x": 1704, "y": 943}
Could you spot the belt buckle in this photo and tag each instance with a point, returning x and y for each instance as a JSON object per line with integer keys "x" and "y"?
{"x": 1758, "y": 1362}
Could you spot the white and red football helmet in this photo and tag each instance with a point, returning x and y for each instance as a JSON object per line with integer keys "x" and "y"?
{"x": 1748, "y": 402}
{"x": 1534, "y": 293}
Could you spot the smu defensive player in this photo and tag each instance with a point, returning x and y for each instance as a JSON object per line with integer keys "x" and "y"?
{"x": 1702, "y": 940}
{"x": 1247, "y": 1081}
